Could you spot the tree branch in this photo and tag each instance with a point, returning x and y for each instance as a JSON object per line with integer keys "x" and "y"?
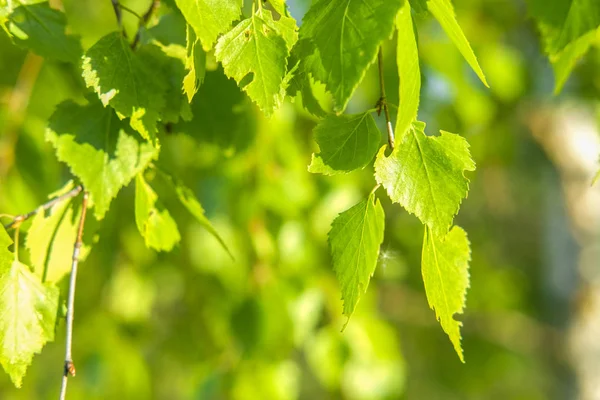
{"x": 382, "y": 103}
{"x": 23, "y": 217}
{"x": 144, "y": 20}
{"x": 69, "y": 367}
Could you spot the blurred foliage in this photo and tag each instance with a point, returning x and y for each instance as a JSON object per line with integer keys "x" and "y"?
{"x": 195, "y": 324}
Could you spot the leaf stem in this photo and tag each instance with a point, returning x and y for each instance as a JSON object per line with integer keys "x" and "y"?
{"x": 69, "y": 367}
{"x": 129, "y": 10}
{"x": 23, "y": 217}
{"x": 374, "y": 189}
{"x": 117, "y": 7}
{"x": 382, "y": 103}
{"x": 16, "y": 240}
{"x": 144, "y": 20}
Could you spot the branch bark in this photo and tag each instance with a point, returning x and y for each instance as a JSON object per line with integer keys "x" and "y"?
{"x": 69, "y": 367}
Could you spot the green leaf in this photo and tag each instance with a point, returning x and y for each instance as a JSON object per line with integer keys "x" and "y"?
{"x": 152, "y": 219}
{"x": 122, "y": 80}
{"x": 99, "y": 149}
{"x": 407, "y": 59}
{"x": 346, "y": 142}
{"x": 562, "y": 22}
{"x": 195, "y": 64}
{"x": 42, "y": 29}
{"x": 596, "y": 178}
{"x": 425, "y": 175}
{"x": 27, "y": 315}
{"x": 256, "y": 50}
{"x": 354, "y": 239}
{"x": 302, "y": 58}
{"x": 51, "y": 239}
{"x": 347, "y": 34}
{"x": 190, "y": 202}
{"x": 443, "y": 11}
{"x": 210, "y": 18}
{"x": 564, "y": 62}
{"x": 445, "y": 269}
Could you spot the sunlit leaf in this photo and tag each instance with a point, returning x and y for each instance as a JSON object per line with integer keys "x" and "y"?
{"x": 354, "y": 239}
{"x": 195, "y": 64}
{"x": 99, "y": 149}
{"x": 425, "y": 175}
{"x": 444, "y": 266}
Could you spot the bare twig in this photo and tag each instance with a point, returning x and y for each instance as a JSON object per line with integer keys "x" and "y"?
{"x": 144, "y": 20}
{"x": 23, "y": 217}
{"x": 117, "y": 7}
{"x": 382, "y": 103}
{"x": 69, "y": 367}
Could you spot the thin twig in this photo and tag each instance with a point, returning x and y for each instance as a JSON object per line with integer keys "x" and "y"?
{"x": 117, "y": 7}
{"x": 144, "y": 20}
{"x": 131, "y": 11}
{"x": 69, "y": 367}
{"x": 23, "y": 217}
{"x": 382, "y": 103}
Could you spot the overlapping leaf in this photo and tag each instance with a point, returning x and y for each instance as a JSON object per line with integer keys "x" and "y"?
{"x": 303, "y": 59}
{"x": 445, "y": 272}
{"x": 152, "y": 219}
{"x": 42, "y": 29}
{"x": 346, "y": 142}
{"x": 210, "y": 18}
{"x": 255, "y": 53}
{"x": 195, "y": 64}
{"x": 425, "y": 175}
{"x": 120, "y": 79}
{"x": 564, "y": 61}
{"x": 99, "y": 149}
{"x": 354, "y": 239}
{"x": 27, "y": 313}
{"x": 409, "y": 72}
{"x": 347, "y": 34}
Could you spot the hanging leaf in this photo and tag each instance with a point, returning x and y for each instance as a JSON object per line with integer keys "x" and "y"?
{"x": 354, "y": 239}
{"x": 445, "y": 265}
{"x": 195, "y": 64}
{"x": 120, "y": 79}
{"x": 99, "y": 149}
{"x": 153, "y": 220}
{"x": 346, "y": 142}
{"x": 347, "y": 35}
{"x": 42, "y": 29}
{"x": 255, "y": 53}
{"x": 425, "y": 175}
{"x": 210, "y": 18}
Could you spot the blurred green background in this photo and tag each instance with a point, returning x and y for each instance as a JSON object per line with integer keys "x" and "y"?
{"x": 194, "y": 324}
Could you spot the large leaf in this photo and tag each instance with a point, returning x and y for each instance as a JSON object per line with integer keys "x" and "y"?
{"x": 563, "y": 21}
{"x": 346, "y": 142}
{"x": 152, "y": 219}
{"x": 347, "y": 34}
{"x": 444, "y": 266}
{"x": 443, "y": 11}
{"x": 407, "y": 58}
{"x": 27, "y": 313}
{"x": 42, "y": 29}
{"x": 210, "y": 18}
{"x": 425, "y": 175}
{"x": 99, "y": 149}
{"x": 354, "y": 239}
{"x": 255, "y": 53}
{"x": 122, "y": 80}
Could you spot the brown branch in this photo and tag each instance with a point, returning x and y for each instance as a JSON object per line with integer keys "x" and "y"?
{"x": 46, "y": 206}
{"x": 69, "y": 367}
{"x": 144, "y": 20}
{"x": 382, "y": 103}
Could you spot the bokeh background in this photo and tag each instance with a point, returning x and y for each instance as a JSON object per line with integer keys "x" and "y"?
{"x": 194, "y": 324}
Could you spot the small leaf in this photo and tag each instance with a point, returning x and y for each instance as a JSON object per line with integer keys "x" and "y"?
{"x": 443, "y": 11}
{"x": 122, "y": 80}
{"x": 99, "y": 149}
{"x": 425, "y": 175}
{"x": 257, "y": 48}
{"x": 210, "y": 18}
{"x": 444, "y": 265}
{"x": 347, "y": 34}
{"x": 354, "y": 239}
{"x": 302, "y": 58}
{"x": 564, "y": 62}
{"x": 347, "y": 142}
{"x": 42, "y": 29}
{"x": 407, "y": 59}
{"x": 27, "y": 316}
{"x": 153, "y": 221}
{"x": 195, "y": 64}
